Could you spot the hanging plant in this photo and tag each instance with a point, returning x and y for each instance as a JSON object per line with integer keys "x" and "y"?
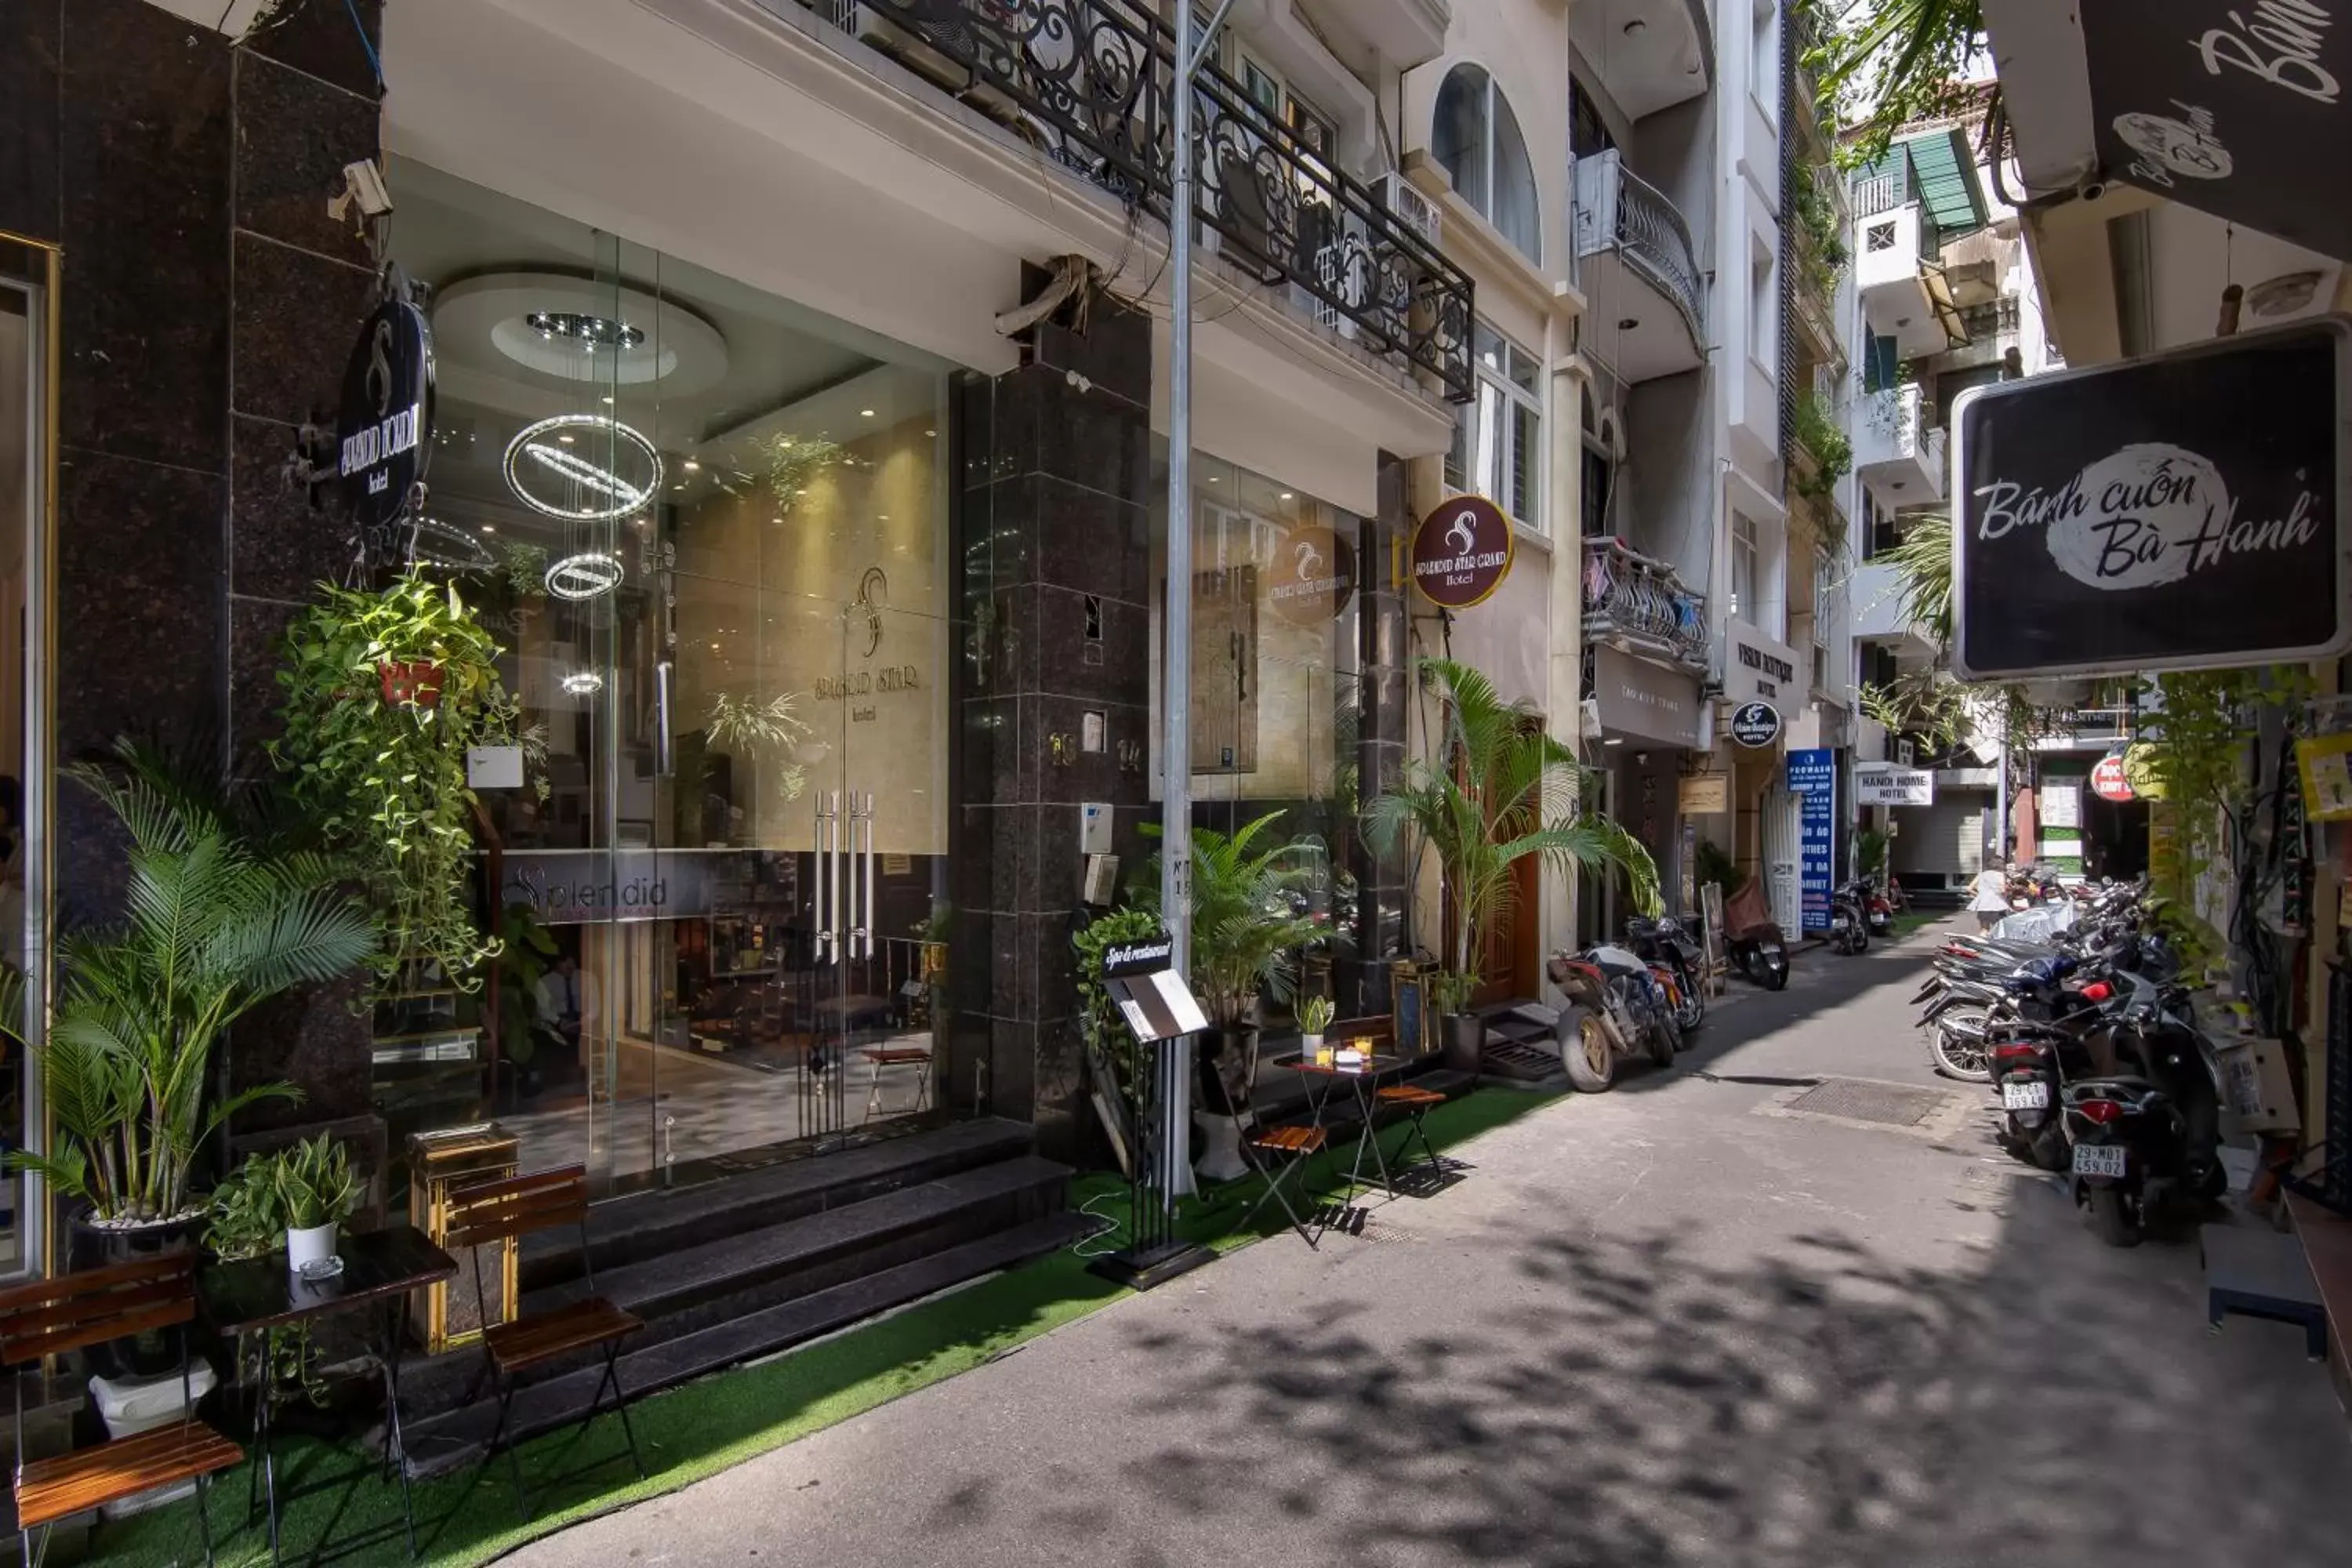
{"x": 795, "y": 464}
{"x": 769, "y": 733}
{"x": 384, "y": 693}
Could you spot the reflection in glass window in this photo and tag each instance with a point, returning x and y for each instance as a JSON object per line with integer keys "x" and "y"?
{"x": 1500, "y": 436}
{"x": 1475, "y": 137}
{"x": 21, "y": 383}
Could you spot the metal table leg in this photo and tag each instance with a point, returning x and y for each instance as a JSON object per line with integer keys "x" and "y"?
{"x": 395, "y": 1446}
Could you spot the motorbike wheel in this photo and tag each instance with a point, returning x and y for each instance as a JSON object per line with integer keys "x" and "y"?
{"x": 1666, "y": 1040}
{"x": 1692, "y": 1014}
{"x": 1861, "y": 938}
{"x": 1586, "y": 1053}
{"x": 2045, "y": 1147}
{"x": 1776, "y": 971}
{"x": 2115, "y": 1215}
{"x": 1959, "y": 1056}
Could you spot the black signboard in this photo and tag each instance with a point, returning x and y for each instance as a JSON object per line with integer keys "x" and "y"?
{"x": 1146, "y": 956}
{"x": 2166, "y": 513}
{"x": 384, "y": 432}
{"x": 1755, "y": 724}
{"x": 2232, "y": 107}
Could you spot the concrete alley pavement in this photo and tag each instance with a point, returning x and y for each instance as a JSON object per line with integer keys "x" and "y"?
{"x": 1688, "y": 1322}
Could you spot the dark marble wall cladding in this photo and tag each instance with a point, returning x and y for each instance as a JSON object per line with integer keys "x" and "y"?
{"x": 1054, "y": 530}
{"x": 208, "y": 302}
{"x": 1380, "y": 880}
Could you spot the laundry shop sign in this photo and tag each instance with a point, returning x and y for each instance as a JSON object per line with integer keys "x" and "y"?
{"x": 2167, "y": 513}
{"x": 1462, "y": 551}
{"x": 384, "y": 426}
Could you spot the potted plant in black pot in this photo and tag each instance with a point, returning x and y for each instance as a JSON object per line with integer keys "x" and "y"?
{"x": 214, "y": 923}
{"x": 1497, "y": 791}
{"x": 1246, "y": 933}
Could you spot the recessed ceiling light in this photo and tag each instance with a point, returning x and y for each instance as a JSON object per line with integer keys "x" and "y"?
{"x": 608, "y": 403}
{"x": 1627, "y": 323}
{"x": 1213, "y": 478}
{"x": 778, "y": 521}
{"x": 1902, "y": 320}
{"x": 1636, "y": 27}
{"x": 691, "y": 467}
{"x": 930, "y": 432}
{"x": 490, "y": 527}
{"x": 865, "y": 414}
{"x": 881, "y": 517}
{"x": 714, "y": 648}
{"x": 1287, "y": 495}
{"x": 565, "y": 439}
{"x": 1614, "y": 740}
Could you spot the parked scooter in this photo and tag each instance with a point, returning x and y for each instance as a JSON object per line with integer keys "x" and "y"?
{"x": 2150, "y": 1136}
{"x": 1850, "y": 919}
{"x": 1665, "y": 944}
{"x": 1615, "y": 1009}
{"x": 1753, "y": 939}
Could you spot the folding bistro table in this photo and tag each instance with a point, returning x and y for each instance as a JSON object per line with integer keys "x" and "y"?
{"x": 381, "y": 1267}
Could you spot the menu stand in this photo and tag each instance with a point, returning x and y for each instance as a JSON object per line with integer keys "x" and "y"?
{"x": 1161, "y": 1012}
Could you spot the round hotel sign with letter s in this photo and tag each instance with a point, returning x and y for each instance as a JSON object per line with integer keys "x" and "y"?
{"x": 1462, "y": 553}
{"x": 1755, "y": 724}
{"x": 1313, "y": 576}
{"x": 383, "y": 429}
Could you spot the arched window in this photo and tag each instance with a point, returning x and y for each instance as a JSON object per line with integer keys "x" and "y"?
{"x": 1477, "y": 139}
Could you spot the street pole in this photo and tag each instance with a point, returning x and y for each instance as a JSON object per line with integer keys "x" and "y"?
{"x": 1193, "y": 44}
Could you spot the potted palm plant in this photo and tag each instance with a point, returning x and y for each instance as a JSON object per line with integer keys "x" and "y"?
{"x": 1498, "y": 791}
{"x": 214, "y": 923}
{"x": 1246, "y": 933}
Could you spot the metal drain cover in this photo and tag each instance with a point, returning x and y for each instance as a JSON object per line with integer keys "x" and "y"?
{"x": 1855, "y": 1099}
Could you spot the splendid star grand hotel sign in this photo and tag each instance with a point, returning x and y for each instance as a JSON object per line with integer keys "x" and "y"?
{"x": 1461, "y": 553}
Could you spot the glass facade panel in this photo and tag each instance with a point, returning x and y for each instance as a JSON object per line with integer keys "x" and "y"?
{"x": 711, "y": 529}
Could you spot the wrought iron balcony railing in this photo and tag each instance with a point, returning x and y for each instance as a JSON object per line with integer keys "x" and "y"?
{"x": 1090, "y": 83}
{"x": 1617, "y": 207}
{"x": 1628, "y": 595}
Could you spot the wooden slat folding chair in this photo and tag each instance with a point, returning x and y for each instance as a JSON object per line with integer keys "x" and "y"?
{"x": 508, "y": 1208}
{"x": 50, "y": 1317}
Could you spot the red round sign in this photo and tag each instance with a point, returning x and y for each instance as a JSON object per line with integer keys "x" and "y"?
{"x": 1462, "y": 551}
{"x": 2109, "y": 781}
{"x": 1312, "y": 577}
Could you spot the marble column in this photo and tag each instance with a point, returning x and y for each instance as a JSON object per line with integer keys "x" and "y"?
{"x": 208, "y": 304}
{"x": 1052, "y": 697}
{"x": 1383, "y": 885}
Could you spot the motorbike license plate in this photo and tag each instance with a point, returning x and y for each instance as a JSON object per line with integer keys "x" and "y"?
{"x": 2099, "y": 1160}
{"x": 2033, "y": 1096}
{"x": 1838, "y": 922}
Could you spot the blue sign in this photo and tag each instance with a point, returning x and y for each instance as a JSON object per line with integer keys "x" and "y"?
{"x": 1813, "y": 779}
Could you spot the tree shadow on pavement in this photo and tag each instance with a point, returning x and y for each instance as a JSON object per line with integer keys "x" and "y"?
{"x": 1644, "y": 1401}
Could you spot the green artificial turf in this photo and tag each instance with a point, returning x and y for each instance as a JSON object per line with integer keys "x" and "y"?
{"x": 699, "y": 1428}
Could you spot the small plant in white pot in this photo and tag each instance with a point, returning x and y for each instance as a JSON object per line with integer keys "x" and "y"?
{"x": 1314, "y": 1015}
{"x": 319, "y": 1192}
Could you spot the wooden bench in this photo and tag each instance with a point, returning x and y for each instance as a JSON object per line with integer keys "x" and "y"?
{"x": 72, "y": 1312}
{"x": 507, "y": 1208}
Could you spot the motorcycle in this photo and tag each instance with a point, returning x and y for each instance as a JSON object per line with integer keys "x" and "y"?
{"x": 1616, "y": 1009}
{"x": 1879, "y": 906}
{"x": 1850, "y": 919}
{"x": 2148, "y": 1138}
{"x": 1668, "y": 946}
{"x": 1752, "y": 938}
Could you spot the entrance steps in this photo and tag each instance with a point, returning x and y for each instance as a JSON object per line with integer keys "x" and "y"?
{"x": 735, "y": 1269}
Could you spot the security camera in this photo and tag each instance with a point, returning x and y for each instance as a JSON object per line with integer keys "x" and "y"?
{"x": 364, "y": 188}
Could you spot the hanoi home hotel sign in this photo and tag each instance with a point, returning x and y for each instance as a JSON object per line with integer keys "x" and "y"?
{"x": 1462, "y": 553}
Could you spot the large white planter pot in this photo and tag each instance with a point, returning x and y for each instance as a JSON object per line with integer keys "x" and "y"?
{"x": 310, "y": 1245}
{"x": 1221, "y": 1156}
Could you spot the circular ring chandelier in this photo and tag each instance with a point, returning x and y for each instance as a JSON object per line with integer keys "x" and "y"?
{"x": 583, "y": 683}
{"x": 614, "y": 473}
{"x": 584, "y": 575}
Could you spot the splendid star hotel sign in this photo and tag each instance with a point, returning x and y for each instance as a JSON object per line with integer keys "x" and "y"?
{"x": 1462, "y": 551}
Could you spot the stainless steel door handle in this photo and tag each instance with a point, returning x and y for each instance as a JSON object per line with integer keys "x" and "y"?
{"x": 828, "y": 876}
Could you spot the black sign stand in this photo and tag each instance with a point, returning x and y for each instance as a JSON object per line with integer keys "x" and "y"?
{"x": 1160, "y": 1012}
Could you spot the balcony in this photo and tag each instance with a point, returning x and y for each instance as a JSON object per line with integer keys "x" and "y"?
{"x": 1088, "y": 84}
{"x": 1907, "y": 206}
{"x": 1404, "y": 33}
{"x": 1640, "y": 602}
{"x": 1649, "y": 54}
{"x": 1647, "y": 306}
{"x": 1898, "y": 454}
{"x": 1878, "y": 614}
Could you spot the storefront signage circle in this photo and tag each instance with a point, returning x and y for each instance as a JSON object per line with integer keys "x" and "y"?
{"x": 1755, "y": 724}
{"x": 583, "y": 467}
{"x": 1313, "y": 576}
{"x": 384, "y": 426}
{"x": 2109, "y": 781}
{"x": 1462, "y": 551}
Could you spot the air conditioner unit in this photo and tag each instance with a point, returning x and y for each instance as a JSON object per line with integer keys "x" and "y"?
{"x": 1418, "y": 212}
